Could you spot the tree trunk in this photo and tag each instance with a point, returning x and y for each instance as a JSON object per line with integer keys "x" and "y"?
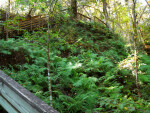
{"x": 7, "y": 17}
{"x": 74, "y": 9}
{"x": 106, "y": 14}
{"x": 50, "y": 5}
{"x": 135, "y": 45}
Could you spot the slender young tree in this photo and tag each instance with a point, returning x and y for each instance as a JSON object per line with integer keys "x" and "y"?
{"x": 135, "y": 43}
{"x": 133, "y": 34}
{"x": 7, "y": 17}
{"x": 50, "y": 4}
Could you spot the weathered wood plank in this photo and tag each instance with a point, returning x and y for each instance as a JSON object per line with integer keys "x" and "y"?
{"x": 14, "y": 97}
{"x": 16, "y": 100}
{"x": 7, "y": 105}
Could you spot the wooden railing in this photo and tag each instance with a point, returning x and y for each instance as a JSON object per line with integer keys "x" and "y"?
{"x": 36, "y": 22}
{"x": 96, "y": 19}
{"x": 16, "y": 99}
{"x": 83, "y": 17}
{"x": 28, "y": 24}
{"x": 86, "y": 18}
{"x": 33, "y": 23}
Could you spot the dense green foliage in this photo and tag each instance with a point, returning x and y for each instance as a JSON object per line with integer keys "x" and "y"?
{"x": 85, "y": 71}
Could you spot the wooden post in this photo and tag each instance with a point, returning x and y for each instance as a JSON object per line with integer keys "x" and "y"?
{"x": 40, "y": 22}
{"x": 18, "y": 27}
{"x": 30, "y": 25}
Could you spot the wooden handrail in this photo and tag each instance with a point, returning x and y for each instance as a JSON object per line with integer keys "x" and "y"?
{"x": 99, "y": 20}
{"x": 16, "y": 99}
{"x": 94, "y": 18}
{"x": 84, "y": 16}
{"x": 38, "y": 21}
{"x": 31, "y": 24}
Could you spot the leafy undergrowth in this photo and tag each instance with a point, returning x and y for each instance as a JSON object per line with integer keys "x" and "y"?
{"x": 85, "y": 74}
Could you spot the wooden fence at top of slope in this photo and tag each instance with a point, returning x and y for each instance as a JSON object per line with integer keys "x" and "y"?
{"x": 31, "y": 24}
{"x": 86, "y": 18}
{"x": 36, "y": 22}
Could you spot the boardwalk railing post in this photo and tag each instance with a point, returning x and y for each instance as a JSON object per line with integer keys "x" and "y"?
{"x": 18, "y": 28}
